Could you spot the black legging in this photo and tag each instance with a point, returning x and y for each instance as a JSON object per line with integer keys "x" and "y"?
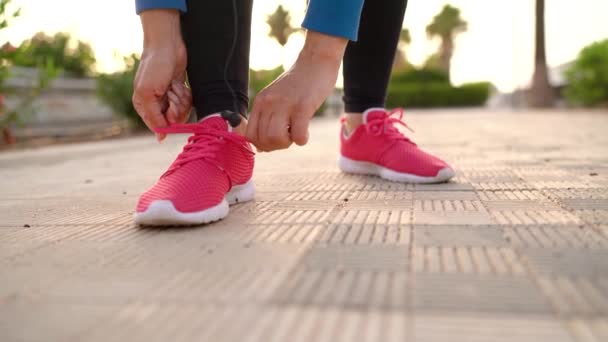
{"x": 208, "y": 30}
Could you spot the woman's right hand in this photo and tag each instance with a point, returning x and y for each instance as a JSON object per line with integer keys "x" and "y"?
{"x": 162, "y": 68}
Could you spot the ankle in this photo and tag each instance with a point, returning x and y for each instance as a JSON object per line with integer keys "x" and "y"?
{"x": 352, "y": 121}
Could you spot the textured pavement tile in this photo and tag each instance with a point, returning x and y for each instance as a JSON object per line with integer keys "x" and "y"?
{"x": 466, "y": 260}
{"x": 568, "y": 262}
{"x": 19, "y": 322}
{"x": 364, "y": 234}
{"x": 586, "y": 204}
{"x": 512, "y": 195}
{"x": 487, "y": 328}
{"x": 400, "y": 216}
{"x": 357, "y": 257}
{"x": 474, "y": 218}
{"x": 145, "y": 322}
{"x": 576, "y": 296}
{"x": 481, "y": 294}
{"x": 555, "y": 236}
{"x": 524, "y": 205}
{"x": 446, "y": 195}
{"x": 354, "y": 289}
{"x": 460, "y": 236}
{"x": 531, "y": 217}
{"x": 593, "y": 216}
{"x": 588, "y": 329}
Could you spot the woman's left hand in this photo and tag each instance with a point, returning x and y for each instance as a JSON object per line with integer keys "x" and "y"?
{"x": 282, "y": 111}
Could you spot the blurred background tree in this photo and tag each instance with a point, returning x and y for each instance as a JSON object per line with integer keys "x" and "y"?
{"x": 446, "y": 25}
{"x": 541, "y": 93}
{"x": 588, "y": 76}
{"x": 280, "y": 25}
{"x": 401, "y": 63}
{"x": 116, "y": 90}
{"x": 46, "y": 72}
{"x": 75, "y": 57}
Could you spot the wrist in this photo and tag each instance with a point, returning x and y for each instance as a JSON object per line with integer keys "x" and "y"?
{"x": 161, "y": 28}
{"x": 323, "y": 48}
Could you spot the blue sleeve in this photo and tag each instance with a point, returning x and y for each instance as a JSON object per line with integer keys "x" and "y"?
{"x": 334, "y": 17}
{"x": 143, "y": 5}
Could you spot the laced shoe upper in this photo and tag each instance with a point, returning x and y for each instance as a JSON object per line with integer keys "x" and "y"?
{"x": 213, "y": 160}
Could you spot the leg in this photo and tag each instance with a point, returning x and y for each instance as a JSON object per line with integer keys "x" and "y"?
{"x": 209, "y": 34}
{"x": 368, "y": 62}
{"x": 384, "y": 152}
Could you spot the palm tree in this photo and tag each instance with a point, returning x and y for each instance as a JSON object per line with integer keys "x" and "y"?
{"x": 405, "y": 37}
{"x": 280, "y": 25}
{"x": 446, "y": 25}
{"x": 541, "y": 93}
{"x": 401, "y": 61}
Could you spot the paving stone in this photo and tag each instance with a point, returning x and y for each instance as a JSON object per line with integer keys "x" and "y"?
{"x": 586, "y": 204}
{"x": 598, "y": 217}
{"x": 354, "y": 289}
{"x": 357, "y": 257}
{"x": 588, "y": 329}
{"x": 485, "y": 328}
{"x": 466, "y": 260}
{"x": 519, "y": 205}
{"x": 570, "y": 262}
{"x": 446, "y": 195}
{"x": 458, "y": 236}
{"x": 555, "y": 237}
{"x": 473, "y": 218}
{"x": 577, "y": 297}
{"x": 449, "y": 293}
{"x": 526, "y": 217}
{"x": 512, "y": 195}
{"x": 69, "y": 320}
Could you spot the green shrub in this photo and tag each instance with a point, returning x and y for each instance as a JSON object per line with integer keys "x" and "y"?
{"x": 75, "y": 58}
{"x": 588, "y": 77}
{"x": 259, "y": 79}
{"x": 421, "y": 76}
{"x": 116, "y": 90}
{"x": 434, "y": 94}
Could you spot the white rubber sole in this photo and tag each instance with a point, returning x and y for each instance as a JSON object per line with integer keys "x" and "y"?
{"x": 365, "y": 168}
{"x": 163, "y": 212}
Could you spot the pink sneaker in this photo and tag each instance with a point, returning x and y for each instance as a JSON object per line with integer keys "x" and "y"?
{"x": 378, "y": 148}
{"x": 213, "y": 171}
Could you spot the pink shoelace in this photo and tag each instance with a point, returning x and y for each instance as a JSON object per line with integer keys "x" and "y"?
{"x": 204, "y": 144}
{"x": 386, "y": 126}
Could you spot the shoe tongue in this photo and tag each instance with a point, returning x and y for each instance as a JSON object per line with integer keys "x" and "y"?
{"x": 373, "y": 114}
{"x": 216, "y": 121}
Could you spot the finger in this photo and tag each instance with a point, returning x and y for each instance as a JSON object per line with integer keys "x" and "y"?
{"x": 173, "y": 97}
{"x": 263, "y": 144}
{"x": 173, "y": 112}
{"x": 175, "y": 107}
{"x": 278, "y": 130}
{"x": 252, "y": 124}
{"x": 299, "y": 128}
{"x": 149, "y": 109}
{"x": 179, "y": 88}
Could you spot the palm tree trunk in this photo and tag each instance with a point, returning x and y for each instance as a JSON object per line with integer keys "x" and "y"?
{"x": 541, "y": 93}
{"x": 446, "y": 52}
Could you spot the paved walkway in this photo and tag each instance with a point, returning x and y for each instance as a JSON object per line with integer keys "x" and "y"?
{"x": 514, "y": 249}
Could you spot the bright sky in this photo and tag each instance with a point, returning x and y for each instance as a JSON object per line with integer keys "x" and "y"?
{"x": 498, "y": 45}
